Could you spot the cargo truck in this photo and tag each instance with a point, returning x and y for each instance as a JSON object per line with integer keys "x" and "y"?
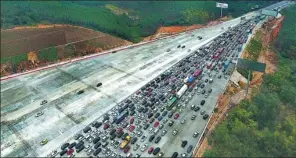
{"x": 182, "y": 91}
{"x": 171, "y": 103}
{"x": 125, "y": 142}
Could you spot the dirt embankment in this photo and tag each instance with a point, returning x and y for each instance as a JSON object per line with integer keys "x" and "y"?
{"x": 171, "y": 30}
{"x": 266, "y": 56}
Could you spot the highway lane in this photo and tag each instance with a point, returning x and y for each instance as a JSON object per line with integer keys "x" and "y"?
{"x": 121, "y": 74}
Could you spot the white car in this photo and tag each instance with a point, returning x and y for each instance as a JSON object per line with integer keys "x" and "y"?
{"x": 175, "y": 132}
{"x": 144, "y": 147}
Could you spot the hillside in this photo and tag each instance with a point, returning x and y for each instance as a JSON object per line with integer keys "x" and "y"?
{"x": 264, "y": 125}
{"x": 130, "y": 20}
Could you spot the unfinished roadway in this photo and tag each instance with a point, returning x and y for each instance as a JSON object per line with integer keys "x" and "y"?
{"x": 66, "y": 112}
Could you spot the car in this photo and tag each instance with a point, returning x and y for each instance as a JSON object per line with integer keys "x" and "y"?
{"x": 143, "y": 138}
{"x": 163, "y": 132}
{"x": 171, "y": 123}
{"x": 175, "y": 155}
{"x": 144, "y": 147}
{"x": 206, "y": 80}
{"x": 202, "y": 102}
{"x": 219, "y": 76}
{"x": 151, "y": 138}
{"x": 183, "y": 46}
{"x": 132, "y": 128}
{"x": 178, "y": 46}
{"x": 156, "y": 151}
{"x": 193, "y": 117}
{"x": 196, "y": 108}
{"x": 202, "y": 112}
{"x": 195, "y": 134}
{"x": 175, "y": 132}
{"x": 160, "y": 154}
{"x": 151, "y": 120}
{"x": 184, "y": 143}
{"x": 184, "y": 155}
{"x": 161, "y": 126}
{"x": 43, "y": 102}
{"x": 157, "y": 139}
{"x": 134, "y": 139}
{"x": 192, "y": 107}
{"x": 165, "y": 121}
{"x": 99, "y": 84}
{"x": 150, "y": 150}
{"x": 170, "y": 114}
{"x": 39, "y": 114}
{"x": 168, "y": 49}
{"x": 203, "y": 92}
{"x": 43, "y": 142}
{"x": 129, "y": 155}
{"x": 183, "y": 121}
{"x": 132, "y": 119}
{"x": 126, "y": 149}
{"x": 136, "y": 147}
{"x": 176, "y": 116}
{"x": 189, "y": 149}
{"x": 210, "y": 90}
{"x": 80, "y": 92}
{"x": 205, "y": 116}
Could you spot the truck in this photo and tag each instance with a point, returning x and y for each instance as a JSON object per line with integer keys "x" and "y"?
{"x": 226, "y": 64}
{"x": 125, "y": 142}
{"x": 182, "y": 90}
{"x": 197, "y": 73}
{"x": 171, "y": 103}
{"x": 190, "y": 79}
{"x": 120, "y": 117}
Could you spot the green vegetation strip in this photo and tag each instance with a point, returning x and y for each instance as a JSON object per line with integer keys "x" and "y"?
{"x": 131, "y": 20}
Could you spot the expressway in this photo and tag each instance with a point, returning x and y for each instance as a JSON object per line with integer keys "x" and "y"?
{"x": 67, "y": 112}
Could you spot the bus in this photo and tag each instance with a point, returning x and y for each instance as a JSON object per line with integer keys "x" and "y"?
{"x": 171, "y": 103}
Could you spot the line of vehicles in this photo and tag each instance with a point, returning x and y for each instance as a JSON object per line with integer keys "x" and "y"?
{"x": 143, "y": 119}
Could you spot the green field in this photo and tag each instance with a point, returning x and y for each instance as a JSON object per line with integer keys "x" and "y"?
{"x": 265, "y": 126}
{"x": 135, "y": 20}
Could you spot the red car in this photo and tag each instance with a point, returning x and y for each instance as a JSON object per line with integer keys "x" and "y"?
{"x": 132, "y": 120}
{"x": 119, "y": 130}
{"x": 156, "y": 124}
{"x": 132, "y": 128}
{"x": 138, "y": 92}
{"x": 106, "y": 126}
{"x": 176, "y": 116}
{"x": 70, "y": 151}
{"x": 126, "y": 149}
{"x": 150, "y": 150}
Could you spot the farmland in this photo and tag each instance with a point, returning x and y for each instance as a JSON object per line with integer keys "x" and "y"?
{"x": 49, "y": 43}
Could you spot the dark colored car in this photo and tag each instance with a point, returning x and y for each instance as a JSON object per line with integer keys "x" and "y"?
{"x": 157, "y": 139}
{"x": 151, "y": 138}
{"x": 156, "y": 151}
{"x": 189, "y": 149}
{"x": 134, "y": 140}
{"x": 175, "y": 155}
{"x": 64, "y": 146}
{"x": 99, "y": 84}
{"x": 202, "y": 102}
{"x": 184, "y": 143}
{"x": 205, "y": 116}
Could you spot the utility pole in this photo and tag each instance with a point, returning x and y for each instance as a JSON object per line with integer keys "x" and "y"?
{"x": 249, "y": 77}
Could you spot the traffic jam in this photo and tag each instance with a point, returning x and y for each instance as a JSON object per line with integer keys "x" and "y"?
{"x": 136, "y": 126}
